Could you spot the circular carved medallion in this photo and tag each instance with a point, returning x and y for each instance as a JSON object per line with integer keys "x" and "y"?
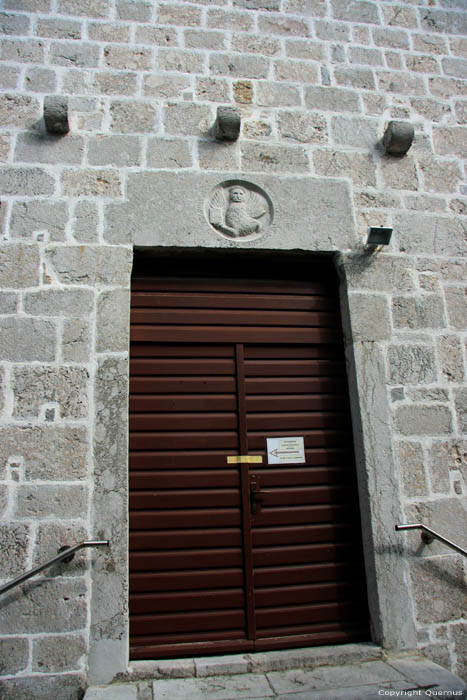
{"x": 237, "y": 209}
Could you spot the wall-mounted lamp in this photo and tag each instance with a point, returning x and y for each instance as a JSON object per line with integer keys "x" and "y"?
{"x": 378, "y": 235}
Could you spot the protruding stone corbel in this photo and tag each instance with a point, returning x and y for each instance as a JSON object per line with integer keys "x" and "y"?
{"x": 227, "y": 124}
{"x": 398, "y": 138}
{"x": 56, "y": 114}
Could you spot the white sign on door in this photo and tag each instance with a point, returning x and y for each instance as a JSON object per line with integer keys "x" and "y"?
{"x": 285, "y": 450}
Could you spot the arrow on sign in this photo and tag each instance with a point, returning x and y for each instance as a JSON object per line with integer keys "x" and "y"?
{"x": 277, "y": 452}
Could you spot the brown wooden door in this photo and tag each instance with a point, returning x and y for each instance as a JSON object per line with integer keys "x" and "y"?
{"x": 217, "y": 367}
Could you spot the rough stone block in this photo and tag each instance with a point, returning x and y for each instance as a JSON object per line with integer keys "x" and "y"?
{"x": 439, "y": 591}
{"x": 187, "y": 119}
{"x": 216, "y": 90}
{"x": 110, "y": 83}
{"x": 86, "y": 8}
{"x": 113, "y": 321}
{"x": 235, "y": 21}
{"x": 19, "y": 265}
{"x": 18, "y": 110}
{"x": 443, "y": 21}
{"x": 461, "y": 408}
{"x": 76, "y": 340}
{"x": 430, "y": 235}
{"x": 47, "y": 501}
{"x": 59, "y": 28}
{"x": 422, "y": 64}
{"x": 356, "y": 132}
{"x": 247, "y": 43}
{"x": 168, "y": 153}
{"x": 384, "y": 274}
{"x": 66, "y": 462}
{"x": 50, "y": 537}
{"x": 165, "y": 86}
{"x": 423, "y": 312}
{"x": 40, "y": 80}
{"x": 159, "y": 36}
{"x": 440, "y": 176}
{"x": 85, "y": 222}
{"x": 58, "y": 654}
{"x": 9, "y": 77}
{"x": 348, "y": 11}
{"x": 29, "y": 182}
{"x": 8, "y": 302}
{"x": 446, "y": 456}
{"x": 120, "y": 151}
{"x": 358, "y": 78}
{"x": 411, "y": 466}
{"x": 105, "y": 265}
{"x": 332, "y": 31}
{"x": 74, "y": 54}
{"x": 368, "y": 57}
{"x": 59, "y": 302}
{"x": 400, "y": 174}
{"x": 400, "y": 82}
{"x": 42, "y": 606}
{"x": 218, "y": 666}
{"x": 91, "y": 183}
{"x": 305, "y": 49}
{"x": 411, "y": 364}
{"x": 450, "y": 140}
{"x": 14, "y": 654}
{"x": 27, "y": 339}
{"x": 217, "y": 156}
{"x": 39, "y": 147}
{"x": 456, "y": 302}
{"x": 14, "y": 540}
{"x": 302, "y": 127}
{"x": 458, "y": 633}
{"x": 369, "y": 317}
{"x": 23, "y": 51}
{"x": 184, "y": 16}
{"x": 122, "y": 691}
{"x": 109, "y": 31}
{"x": 133, "y": 117}
{"x": 14, "y": 24}
{"x": 419, "y": 419}
{"x": 295, "y": 71}
{"x": 43, "y": 687}
{"x": 332, "y": 99}
{"x": 450, "y": 358}
{"x": 238, "y": 65}
{"x": 30, "y": 218}
{"x": 123, "y": 58}
{"x": 271, "y": 158}
{"x": 283, "y": 26}
{"x": 270, "y": 5}
{"x": 181, "y": 61}
{"x": 270, "y": 94}
{"x": 66, "y": 386}
{"x": 197, "y": 39}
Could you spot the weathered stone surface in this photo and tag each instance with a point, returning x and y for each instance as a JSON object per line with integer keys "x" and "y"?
{"x": 430, "y": 235}
{"x": 215, "y": 90}
{"x": 85, "y": 222}
{"x": 58, "y": 654}
{"x": 66, "y": 386}
{"x": 461, "y": 408}
{"x": 411, "y": 364}
{"x": 458, "y": 633}
{"x": 167, "y": 210}
{"x": 120, "y": 151}
{"x": 27, "y": 339}
{"x": 50, "y": 537}
{"x": 230, "y": 686}
{"x": 67, "y": 460}
{"x": 14, "y": 654}
{"x": 423, "y": 312}
{"x": 105, "y": 265}
{"x": 40, "y": 606}
{"x": 359, "y": 167}
{"x": 218, "y": 156}
{"x": 62, "y": 687}
{"x": 25, "y": 182}
{"x": 59, "y": 302}
{"x": 14, "y": 540}
{"x": 18, "y": 110}
{"x": 333, "y": 99}
{"x": 188, "y": 119}
{"x": 270, "y": 158}
{"x": 230, "y": 665}
{"x": 36, "y": 217}
{"x": 440, "y": 176}
{"x": 168, "y": 153}
{"x": 383, "y": 274}
{"x": 369, "y": 317}
{"x": 419, "y": 419}
{"x": 76, "y": 340}
{"x": 446, "y": 456}
{"x": 19, "y": 265}
{"x": 302, "y": 127}
{"x": 439, "y": 589}
{"x": 450, "y": 140}
{"x": 411, "y": 465}
{"x": 456, "y": 302}
{"x": 132, "y": 117}
{"x": 46, "y": 501}
{"x": 113, "y": 321}
{"x": 126, "y": 58}
{"x": 270, "y": 94}
{"x": 440, "y": 21}
{"x": 91, "y": 183}
{"x": 8, "y": 302}
{"x": 356, "y": 132}
{"x": 450, "y": 358}
{"x": 400, "y": 174}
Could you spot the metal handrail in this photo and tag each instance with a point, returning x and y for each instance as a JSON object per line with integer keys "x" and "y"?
{"x": 66, "y": 554}
{"x": 428, "y": 535}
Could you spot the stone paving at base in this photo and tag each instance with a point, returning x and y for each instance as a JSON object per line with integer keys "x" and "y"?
{"x": 394, "y": 677}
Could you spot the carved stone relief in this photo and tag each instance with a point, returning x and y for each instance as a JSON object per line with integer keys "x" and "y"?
{"x": 239, "y": 209}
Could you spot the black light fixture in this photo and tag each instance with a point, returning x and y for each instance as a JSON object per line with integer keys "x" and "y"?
{"x": 378, "y": 235}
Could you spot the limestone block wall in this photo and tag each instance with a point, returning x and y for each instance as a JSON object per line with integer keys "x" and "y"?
{"x": 316, "y": 82}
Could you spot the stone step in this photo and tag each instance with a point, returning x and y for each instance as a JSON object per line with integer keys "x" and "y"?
{"x": 348, "y": 672}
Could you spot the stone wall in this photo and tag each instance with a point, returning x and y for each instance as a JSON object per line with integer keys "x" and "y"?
{"x": 316, "y": 82}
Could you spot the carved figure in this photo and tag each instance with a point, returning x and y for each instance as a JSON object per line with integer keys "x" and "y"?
{"x": 239, "y": 216}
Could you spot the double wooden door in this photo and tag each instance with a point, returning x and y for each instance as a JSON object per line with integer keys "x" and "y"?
{"x": 229, "y": 552}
